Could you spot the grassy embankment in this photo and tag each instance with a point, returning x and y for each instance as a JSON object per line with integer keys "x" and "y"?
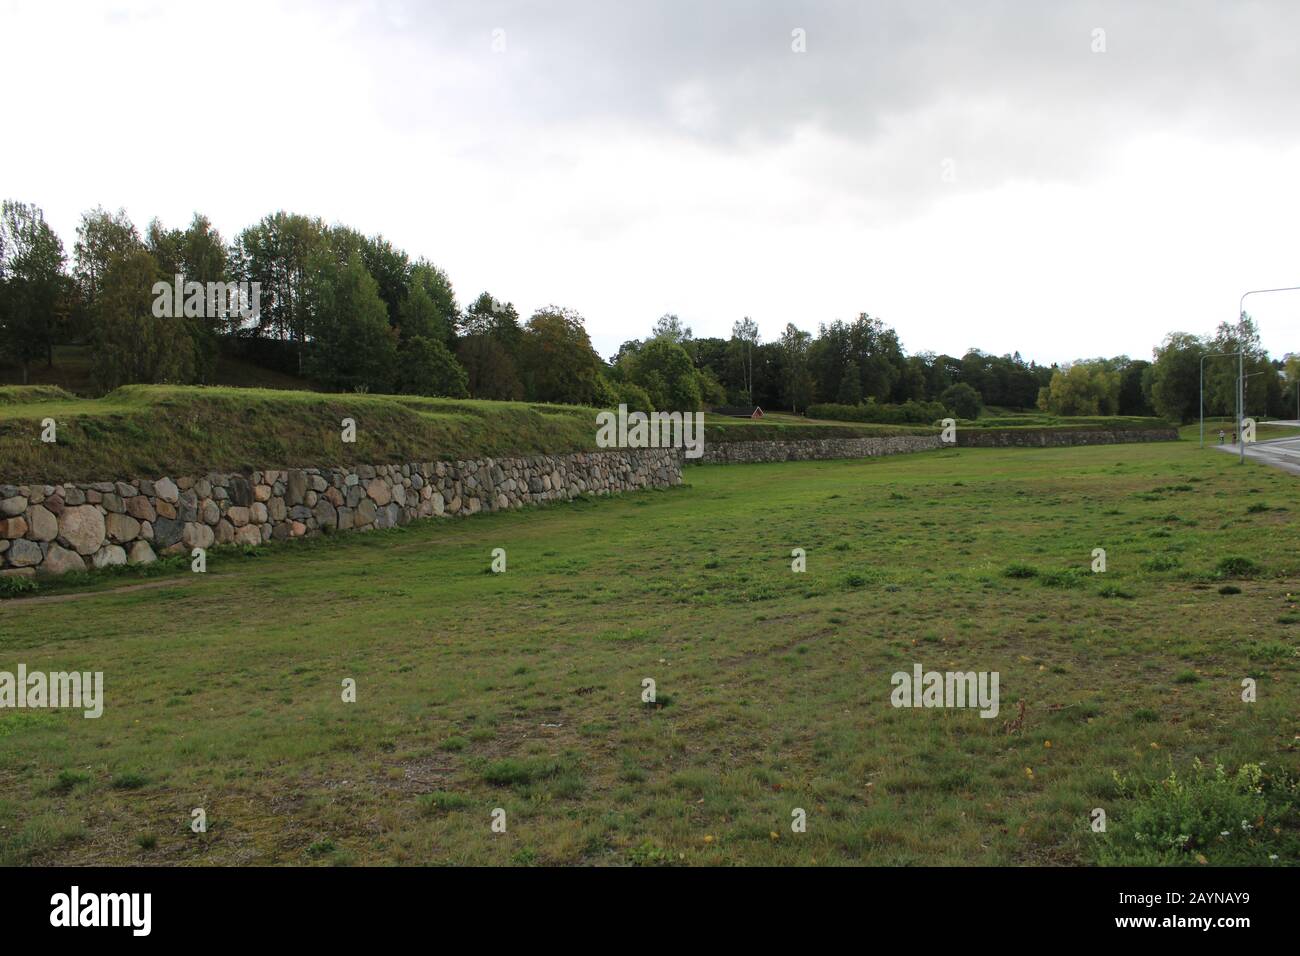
{"x": 153, "y": 430}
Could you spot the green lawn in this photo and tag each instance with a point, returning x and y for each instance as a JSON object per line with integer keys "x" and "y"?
{"x": 522, "y": 690}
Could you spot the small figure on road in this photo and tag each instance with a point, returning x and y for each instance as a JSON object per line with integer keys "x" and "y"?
{"x": 1220, "y": 436}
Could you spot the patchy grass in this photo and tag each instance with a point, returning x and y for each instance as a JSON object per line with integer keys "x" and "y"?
{"x": 523, "y": 690}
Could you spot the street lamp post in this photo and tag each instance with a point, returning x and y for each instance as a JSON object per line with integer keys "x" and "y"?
{"x": 1241, "y": 365}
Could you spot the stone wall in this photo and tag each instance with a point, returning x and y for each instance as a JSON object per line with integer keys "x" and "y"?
{"x": 812, "y": 448}
{"x": 1058, "y": 438}
{"x": 806, "y": 449}
{"x": 67, "y": 527}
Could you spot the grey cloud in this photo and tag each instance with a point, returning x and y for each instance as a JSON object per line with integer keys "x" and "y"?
{"x": 870, "y": 66}
{"x": 1005, "y": 91}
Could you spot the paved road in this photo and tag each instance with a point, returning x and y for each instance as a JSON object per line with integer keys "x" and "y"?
{"x": 1281, "y": 453}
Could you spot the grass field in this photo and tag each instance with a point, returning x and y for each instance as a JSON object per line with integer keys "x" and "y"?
{"x": 522, "y": 690}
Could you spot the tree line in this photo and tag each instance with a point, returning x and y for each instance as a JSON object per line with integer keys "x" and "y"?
{"x": 353, "y": 312}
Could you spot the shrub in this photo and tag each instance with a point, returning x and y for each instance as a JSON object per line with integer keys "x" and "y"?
{"x": 441, "y": 801}
{"x": 510, "y": 772}
{"x": 1161, "y": 562}
{"x": 128, "y": 781}
{"x": 908, "y": 413}
{"x": 13, "y": 586}
{"x": 68, "y": 779}
{"x": 963, "y": 400}
{"x": 1205, "y": 816}
{"x": 1237, "y": 567}
{"x": 425, "y": 367}
{"x": 1063, "y": 578}
{"x": 636, "y": 398}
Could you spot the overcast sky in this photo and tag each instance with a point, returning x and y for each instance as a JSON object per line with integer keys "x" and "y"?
{"x": 973, "y": 173}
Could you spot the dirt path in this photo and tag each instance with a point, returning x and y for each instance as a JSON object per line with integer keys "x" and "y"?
{"x": 78, "y": 595}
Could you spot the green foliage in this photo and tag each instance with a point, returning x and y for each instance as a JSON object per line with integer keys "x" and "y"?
{"x": 858, "y": 360}
{"x": 1205, "y": 816}
{"x": 441, "y": 801}
{"x": 671, "y": 328}
{"x": 425, "y": 367}
{"x": 33, "y": 290}
{"x": 1135, "y": 389}
{"x": 128, "y": 780}
{"x": 1176, "y": 377}
{"x": 282, "y": 253}
{"x": 712, "y": 391}
{"x": 419, "y": 317}
{"x": 353, "y": 346}
{"x": 1018, "y": 569}
{"x": 962, "y": 400}
{"x": 557, "y": 362}
{"x": 665, "y": 371}
{"x": 490, "y": 371}
{"x": 797, "y": 383}
{"x": 913, "y": 413}
{"x": 132, "y": 344}
{"x": 850, "y": 390}
{"x": 198, "y": 255}
{"x": 1063, "y": 578}
{"x": 511, "y": 772}
{"x": 636, "y": 398}
{"x": 13, "y": 586}
{"x": 646, "y": 853}
{"x": 1083, "y": 388}
{"x": 437, "y": 286}
{"x": 1234, "y": 566}
{"x": 102, "y": 238}
{"x": 1162, "y": 562}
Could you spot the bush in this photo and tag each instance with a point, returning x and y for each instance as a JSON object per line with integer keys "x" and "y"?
{"x": 636, "y": 398}
{"x": 665, "y": 370}
{"x": 1237, "y": 567}
{"x": 1019, "y": 570}
{"x": 13, "y": 586}
{"x": 963, "y": 400}
{"x": 426, "y": 367}
{"x": 1064, "y": 578}
{"x": 1161, "y": 562}
{"x": 908, "y": 413}
{"x": 1206, "y": 816}
{"x": 513, "y": 772}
